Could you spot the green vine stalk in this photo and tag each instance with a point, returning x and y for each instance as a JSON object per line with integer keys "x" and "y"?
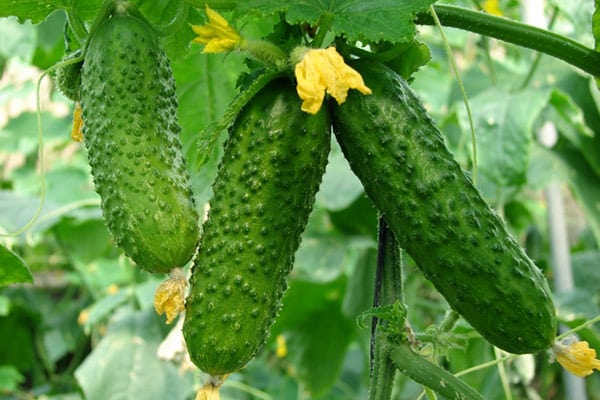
{"x": 517, "y": 33}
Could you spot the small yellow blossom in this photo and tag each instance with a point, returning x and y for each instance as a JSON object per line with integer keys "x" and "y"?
{"x": 83, "y": 317}
{"x": 169, "y": 297}
{"x": 281, "y": 350}
{"x": 324, "y": 70}
{"x": 111, "y": 289}
{"x": 217, "y": 35}
{"x": 77, "y": 131}
{"x": 576, "y": 357}
{"x": 492, "y": 7}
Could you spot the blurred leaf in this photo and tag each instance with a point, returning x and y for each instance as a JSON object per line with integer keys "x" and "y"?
{"x": 18, "y": 40}
{"x": 340, "y": 187}
{"x": 359, "y": 293}
{"x": 584, "y": 182}
{"x": 576, "y": 305}
{"x": 596, "y": 24}
{"x": 102, "y": 309}
{"x": 16, "y": 211}
{"x": 359, "y": 218}
{"x": 101, "y": 274}
{"x": 372, "y": 20}
{"x": 12, "y": 268}
{"x": 10, "y": 378}
{"x": 4, "y": 306}
{"x": 86, "y": 239}
{"x": 50, "y": 41}
{"x": 21, "y": 133}
{"x": 205, "y": 87}
{"x": 124, "y": 364}
{"x": 586, "y": 270}
{"x": 569, "y": 120}
{"x": 317, "y": 332}
{"x": 17, "y": 335}
{"x": 324, "y": 258}
{"x": 503, "y": 125}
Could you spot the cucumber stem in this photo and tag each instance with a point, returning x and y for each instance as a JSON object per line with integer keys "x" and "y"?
{"x": 388, "y": 290}
{"x": 517, "y": 33}
{"x": 430, "y": 375}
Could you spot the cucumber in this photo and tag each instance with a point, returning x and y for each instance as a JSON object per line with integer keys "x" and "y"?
{"x": 439, "y": 217}
{"x": 68, "y": 77}
{"x": 264, "y": 191}
{"x": 131, "y": 134}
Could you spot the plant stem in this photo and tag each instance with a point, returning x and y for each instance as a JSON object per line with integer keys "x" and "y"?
{"x": 430, "y": 375}
{"x": 517, "y": 33}
{"x": 388, "y": 290}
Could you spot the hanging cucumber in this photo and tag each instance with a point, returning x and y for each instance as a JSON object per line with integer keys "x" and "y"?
{"x": 264, "y": 191}
{"x": 131, "y": 134}
{"x": 439, "y": 217}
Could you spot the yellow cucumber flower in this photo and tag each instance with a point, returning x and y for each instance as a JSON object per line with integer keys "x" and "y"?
{"x": 492, "y": 7}
{"x": 217, "y": 35}
{"x": 321, "y": 71}
{"x": 169, "y": 297}
{"x": 576, "y": 357}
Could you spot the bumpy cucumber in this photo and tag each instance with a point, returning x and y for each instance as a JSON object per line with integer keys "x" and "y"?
{"x": 131, "y": 134}
{"x": 439, "y": 217}
{"x": 265, "y": 188}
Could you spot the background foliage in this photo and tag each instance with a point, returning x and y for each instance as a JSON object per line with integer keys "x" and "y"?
{"x": 85, "y": 327}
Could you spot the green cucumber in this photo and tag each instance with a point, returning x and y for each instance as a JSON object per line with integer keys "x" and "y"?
{"x": 265, "y": 188}
{"x": 131, "y": 134}
{"x": 68, "y": 77}
{"x": 439, "y": 217}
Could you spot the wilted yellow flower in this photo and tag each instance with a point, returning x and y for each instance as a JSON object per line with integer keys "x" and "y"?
{"x": 77, "y": 131}
{"x": 576, "y": 357}
{"x": 210, "y": 390}
{"x": 217, "y": 35}
{"x": 169, "y": 297}
{"x": 324, "y": 70}
{"x": 492, "y": 7}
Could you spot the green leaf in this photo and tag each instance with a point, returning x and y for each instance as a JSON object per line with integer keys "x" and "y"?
{"x": 564, "y": 163}
{"x": 35, "y": 10}
{"x": 340, "y": 187}
{"x": 18, "y": 40}
{"x": 10, "y": 378}
{"x": 12, "y": 268}
{"x": 366, "y": 20}
{"x": 503, "y": 125}
{"x": 316, "y": 331}
{"x": 124, "y": 364}
{"x": 596, "y": 24}
{"x": 569, "y": 121}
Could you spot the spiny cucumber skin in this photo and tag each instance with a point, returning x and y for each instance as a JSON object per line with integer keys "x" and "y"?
{"x": 68, "y": 77}
{"x": 131, "y": 134}
{"x": 265, "y": 188}
{"x": 439, "y": 217}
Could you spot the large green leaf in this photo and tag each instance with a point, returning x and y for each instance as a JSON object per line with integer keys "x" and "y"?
{"x": 367, "y": 20}
{"x": 124, "y": 364}
{"x": 12, "y": 268}
{"x": 504, "y": 128}
{"x": 317, "y": 332}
